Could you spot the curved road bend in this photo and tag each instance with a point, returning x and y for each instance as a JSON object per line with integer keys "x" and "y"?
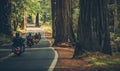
{"x": 40, "y": 57}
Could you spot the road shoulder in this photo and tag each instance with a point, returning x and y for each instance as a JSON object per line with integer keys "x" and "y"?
{"x": 66, "y": 63}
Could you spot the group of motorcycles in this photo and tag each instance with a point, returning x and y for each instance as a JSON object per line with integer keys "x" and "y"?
{"x": 33, "y": 41}
{"x": 30, "y": 42}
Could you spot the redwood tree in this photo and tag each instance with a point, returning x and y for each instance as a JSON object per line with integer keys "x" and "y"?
{"x": 63, "y": 21}
{"x": 93, "y": 34}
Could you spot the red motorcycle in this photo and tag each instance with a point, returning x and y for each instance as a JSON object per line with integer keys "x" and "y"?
{"x": 18, "y": 50}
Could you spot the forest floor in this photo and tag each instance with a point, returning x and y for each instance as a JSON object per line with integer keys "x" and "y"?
{"x": 90, "y": 62}
{"x": 67, "y": 63}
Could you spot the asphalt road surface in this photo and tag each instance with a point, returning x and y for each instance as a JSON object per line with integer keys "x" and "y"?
{"x": 40, "y": 57}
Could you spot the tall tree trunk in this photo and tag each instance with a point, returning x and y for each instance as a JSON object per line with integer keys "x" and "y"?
{"x": 5, "y": 15}
{"x": 70, "y": 27}
{"x": 53, "y": 6}
{"x": 63, "y": 19}
{"x": 25, "y": 20}
{"x": 37, "y": 20}
{"x": 59, "y": 37}
{"x": 93, "y": 27}
{"x": 84, "y": 39}
{"x": 104, "y": 33}
{"x": 115, "y": 16}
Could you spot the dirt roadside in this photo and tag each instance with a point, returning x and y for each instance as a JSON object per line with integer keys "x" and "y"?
{"x": 66, "y": 63}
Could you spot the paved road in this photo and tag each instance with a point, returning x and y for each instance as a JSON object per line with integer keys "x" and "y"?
{"x": 31, "y": 60}
{"x": 41, "y": 57}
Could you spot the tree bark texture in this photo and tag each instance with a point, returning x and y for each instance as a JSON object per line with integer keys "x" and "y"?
{"x": 53, "y": 6}
{"x": 93, "y": 34}
{"x": 115, "y": 16}
{"x": 63, "y": 21}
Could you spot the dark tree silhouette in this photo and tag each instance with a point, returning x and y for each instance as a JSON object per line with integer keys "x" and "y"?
{"x": 5, "y": 13}
{"x": 53, "y": 6}
{"x": 93, "y": 34}
{"x": 37, "y": 20}
{"x": 63, "y": 22}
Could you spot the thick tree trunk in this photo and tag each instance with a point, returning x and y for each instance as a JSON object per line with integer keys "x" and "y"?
{"x": 93, "y": 34}
{"x": 25, "y": 20}
{"x": 70, "y": 26}
{"x": 104, "y": 33}
{"x": 63, "y": 20}
{"x": 59, "y": 23}
{"x": 115, "y": 16}
{"x": 5, "y": 14}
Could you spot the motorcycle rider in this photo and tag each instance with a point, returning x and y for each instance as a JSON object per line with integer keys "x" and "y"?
{"x": 36, "y": 38}
{"x": 18, "y": 41}
{"x": 30, "y": 38}
{"x": 39, "y": 36}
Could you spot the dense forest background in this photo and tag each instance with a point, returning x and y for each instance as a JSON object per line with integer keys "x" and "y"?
{"x": 88, "y": 25}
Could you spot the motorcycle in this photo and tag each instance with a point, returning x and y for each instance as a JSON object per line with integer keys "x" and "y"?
{"x": 29, "y": 43}
{"x": 18, "y": 50}
{"x": 36, "y": 41}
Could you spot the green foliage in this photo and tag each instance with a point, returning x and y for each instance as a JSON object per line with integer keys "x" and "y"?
{"x": 100, "y": 61}
{"x": 105, "y": 63}
{"x": 115, "y": 36}
{"x": 111, "y": 8}
{"x": 4, "y": 39}
{"x": 46, "y": 10}
{"x": 32, "y": 7}
{"x": 43, "y": 7}
{"x": 115, "y": 43}
{"x": 17, "y": 12}
{"x": 75, "y": 7}
{"x": 29, "y": 19}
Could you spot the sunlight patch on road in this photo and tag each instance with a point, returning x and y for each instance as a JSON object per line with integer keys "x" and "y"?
{"x": 5, "y": 57}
